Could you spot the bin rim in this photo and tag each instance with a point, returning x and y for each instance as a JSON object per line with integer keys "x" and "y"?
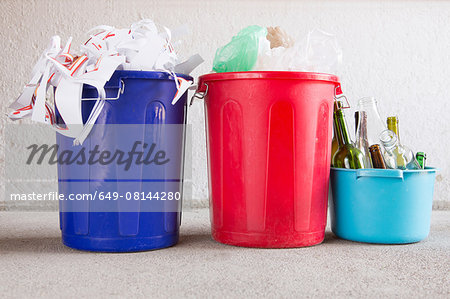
{"x": 115, "y": 81}
{"x": 134, "y": 74}
{"x": 277, "y": 75}
{"x": 427, "y": 169}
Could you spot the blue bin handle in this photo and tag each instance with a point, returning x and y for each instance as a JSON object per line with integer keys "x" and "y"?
{"x": 120, "y": 90}
{"x": 380, "y": 173}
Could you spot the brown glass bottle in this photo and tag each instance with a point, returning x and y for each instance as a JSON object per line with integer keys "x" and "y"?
{"x": 377, "y": 158}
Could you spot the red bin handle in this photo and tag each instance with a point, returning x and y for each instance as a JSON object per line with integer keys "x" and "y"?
{"x": 338, "y": 94}
{"x": 200, "y": 93}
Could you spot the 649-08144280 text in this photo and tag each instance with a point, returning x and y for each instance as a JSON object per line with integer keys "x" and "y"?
{"x": 102, "y": 196}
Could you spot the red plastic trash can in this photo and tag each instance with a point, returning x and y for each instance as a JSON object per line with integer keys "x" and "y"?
{"x": 269, "y": 143}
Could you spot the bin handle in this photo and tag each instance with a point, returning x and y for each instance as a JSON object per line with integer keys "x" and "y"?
{"x": 199, "y": 94}
{"x": 119, "y": 92}
{"x": 338, "y": 94}
{"x": 380, "y": 173}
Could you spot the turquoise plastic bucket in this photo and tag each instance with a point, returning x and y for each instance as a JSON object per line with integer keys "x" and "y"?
{"x": 388, "y": 206}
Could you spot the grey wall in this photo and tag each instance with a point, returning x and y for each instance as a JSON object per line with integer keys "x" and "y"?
{"x": 397, "y": 51}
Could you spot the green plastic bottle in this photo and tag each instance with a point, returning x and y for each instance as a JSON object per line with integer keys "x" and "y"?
{"x": 347, "y": 156}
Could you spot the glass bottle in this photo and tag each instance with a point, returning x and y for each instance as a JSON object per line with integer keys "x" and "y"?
{"x": 334, "y": 143}
{"x": 392, "y": 124}
{"x": 347, "y": 156}
{"x": 376, "y": 156}
{"x": 421, "y": 158}
{"x": 374, "y": 123}
{"x": 361, "y": 142}
{"x": 390, "y": 143}
{"x": 411, "y": 162}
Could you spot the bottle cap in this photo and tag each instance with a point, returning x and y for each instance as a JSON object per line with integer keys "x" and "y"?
{"x": 374, "y": 148}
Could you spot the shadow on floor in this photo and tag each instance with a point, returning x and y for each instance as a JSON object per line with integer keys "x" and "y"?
{"x": 55, "y": 245}
{"x": 200, "y": 240}
{"x": 331, "y": 238}
{"x": 43, "y": 245}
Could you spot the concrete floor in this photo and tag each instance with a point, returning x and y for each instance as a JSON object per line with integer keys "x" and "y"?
{"x": 34, "y": 263}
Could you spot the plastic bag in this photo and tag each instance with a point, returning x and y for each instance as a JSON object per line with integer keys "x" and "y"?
{"x": 278, "y": 38}
{"x": 318, "y": 52}
{"x": 323, "y": 53}
{"x": 240, "y": 54}
{"x": 256, "y": 48}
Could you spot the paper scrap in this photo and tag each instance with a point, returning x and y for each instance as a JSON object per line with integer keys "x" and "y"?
{"x": 141, "y": 47}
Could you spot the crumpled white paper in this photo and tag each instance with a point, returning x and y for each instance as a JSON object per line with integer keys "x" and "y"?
{"x": 140, "y": 47}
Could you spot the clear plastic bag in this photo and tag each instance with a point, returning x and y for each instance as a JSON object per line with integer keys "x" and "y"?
{"x": 318, "y": 52}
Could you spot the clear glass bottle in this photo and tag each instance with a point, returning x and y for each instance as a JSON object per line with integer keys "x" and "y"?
{"x": 395, "y": 152}
{"x": 411, "y": 162}
{"x": 347, "y": 156}
{"x": 361, "y": 142}
{"x": 392, "y": 124}
{"x": 375, "y": 125}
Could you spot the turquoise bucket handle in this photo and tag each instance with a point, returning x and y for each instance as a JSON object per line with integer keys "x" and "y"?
{"x": 380, "y": 173}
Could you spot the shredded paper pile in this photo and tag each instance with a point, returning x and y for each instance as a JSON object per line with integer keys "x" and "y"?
{"x": 62, "y": 72}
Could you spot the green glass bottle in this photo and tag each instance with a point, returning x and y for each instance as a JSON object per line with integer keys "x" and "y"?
{"x": 334, "y": 143}
{"x": 421, "y": 157}
{"x": 347, "y": 156}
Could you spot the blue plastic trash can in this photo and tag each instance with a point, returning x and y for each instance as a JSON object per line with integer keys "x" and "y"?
{"x": 388, "y": 206}
{"x": 122, "y": 218}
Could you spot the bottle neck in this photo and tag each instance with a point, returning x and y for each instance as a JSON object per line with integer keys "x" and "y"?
{"x": 392, "y": 124}
{"x": 369, "y": 105}
{"x": 389, "y": 140}
{"x": 343, "y": 136}
{"x": 377, "y": 159}
{"x": 421, "y": 157}
{"x": 337, "y": 106}
{"x": 361, "y": 125}
{"x": 357, "y": 120}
